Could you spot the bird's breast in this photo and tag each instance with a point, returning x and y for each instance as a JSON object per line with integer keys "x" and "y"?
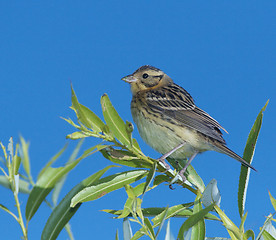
{"x": 163, "y": 135}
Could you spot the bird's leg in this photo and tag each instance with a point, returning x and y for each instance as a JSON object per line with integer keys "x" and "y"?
{"x": 162, "y": 158}
{"x": 182, "y": 171}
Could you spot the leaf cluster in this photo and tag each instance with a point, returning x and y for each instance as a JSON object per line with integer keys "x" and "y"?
{"x": 118, "y": 146}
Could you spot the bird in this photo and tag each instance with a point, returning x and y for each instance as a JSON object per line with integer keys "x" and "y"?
{"x": 169, "y": 121}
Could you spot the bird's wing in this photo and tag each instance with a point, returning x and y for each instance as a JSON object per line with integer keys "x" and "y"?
{"x": 176, "y": 103}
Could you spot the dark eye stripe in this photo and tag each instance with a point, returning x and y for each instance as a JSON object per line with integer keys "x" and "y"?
{"x": 147, "y": 82}
{"x": 160, "y": 76}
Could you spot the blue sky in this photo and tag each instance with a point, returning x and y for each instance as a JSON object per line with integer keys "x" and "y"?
{"x": 222, "y": 52}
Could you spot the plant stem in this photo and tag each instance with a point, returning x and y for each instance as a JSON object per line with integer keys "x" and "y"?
{"x": 20, "y": 218}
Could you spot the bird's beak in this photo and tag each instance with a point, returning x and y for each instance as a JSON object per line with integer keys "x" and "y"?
{"x": 129, "y": 79}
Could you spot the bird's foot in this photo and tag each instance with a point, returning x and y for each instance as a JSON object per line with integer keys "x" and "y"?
{"x": 181, "y": 174}
{"x": 166, "y": 165}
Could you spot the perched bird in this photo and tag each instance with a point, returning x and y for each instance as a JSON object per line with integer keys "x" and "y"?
{"x": 169, "y": 121}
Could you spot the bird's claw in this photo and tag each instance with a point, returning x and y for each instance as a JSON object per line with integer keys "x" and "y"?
{"x": 166, "y": 165}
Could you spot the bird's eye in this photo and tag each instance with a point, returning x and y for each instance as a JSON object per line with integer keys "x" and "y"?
{"x": 145, "y": 75}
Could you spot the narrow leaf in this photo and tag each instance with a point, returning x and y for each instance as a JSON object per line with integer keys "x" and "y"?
{"x": 106, "y": 185}
{"x": 230, "y": 226}
{"x": 163, "y": 217}
{"x": 63, "y": 212}
{"x": 267, "y": 236}
{"x": 127, "y": 208}
{"x": 150, "y": 228}
{"x": 44, "y": 185}
{"x": 198, "y": 230}
{"x": 8, "y": 211}
{"x": 117, "y": 235}
{"x": 79, "y": 111}
{"x": 248, "y": 156}
{"x": 127, "y": 229}
{"x": 267, "y": 226}
{"x": 169, "y": 235}
{"x": 57, "y": 189}
{"x": 243, "y": 222}
{"x": 125, "y": 158}
{"x": 96, "y": 123}
{"x": 150, "y": 177}
{"x": 115, "y": 122}
{"x": 249, "y": 234}
{"x": 16, "y": 164}
{"x": 25, "y": 157}
{"x": 78, "y": 135}
{"x": 194, "y": 219}
{"x": 272, "y": 200}
{"x": 154, "y": 212}
{"x": 24, "y": 186}
{"x": 52, "y": 160}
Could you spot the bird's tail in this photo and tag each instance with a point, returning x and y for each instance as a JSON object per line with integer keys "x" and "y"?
{"x": 223, "y": 149}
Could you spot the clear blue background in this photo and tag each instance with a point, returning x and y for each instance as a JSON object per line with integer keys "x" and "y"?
{"x": 222, "y": 52}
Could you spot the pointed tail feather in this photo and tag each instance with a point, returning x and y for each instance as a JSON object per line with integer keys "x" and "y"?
{"x": 223, "y": 149}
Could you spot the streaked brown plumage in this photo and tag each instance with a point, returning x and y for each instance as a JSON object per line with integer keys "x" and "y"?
{"x": 166, "y": 116}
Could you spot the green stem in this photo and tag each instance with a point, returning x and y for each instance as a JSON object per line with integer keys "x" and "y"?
{"x": 20, "y": 218}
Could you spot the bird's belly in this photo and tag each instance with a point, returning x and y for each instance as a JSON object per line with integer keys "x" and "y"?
{"x": 163, "y": 136}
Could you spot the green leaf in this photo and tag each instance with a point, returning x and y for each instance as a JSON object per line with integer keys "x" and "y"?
{"x": 183, "y": 212}
{"x": 196, "y": 221}
{"x": 78, "y": 135}
{"x": 242, "y": 222}
{"x": 24, "y": 186}
{"x": 63, "y": 212}
{"x": 267, "y": 226}
{"x": 138, "y": 208}
{"x": 57, "y": 190}
{"x": 136, "y": 191}
{"x": 125, "y": 158}
{"x": 52, "y": 160}
{"x": 85, "y": 115}
{"x": 4, "y": 151}
{"x": 159, "y": 215}
{"x": 44, "y": 185}
{"x": 70, "y": 121}
{"x": 172, "y": 211}
{"x": 198, "y": 230}
{"x": 117, "y": 235}
{"x": 267, "y": 236}
{"x": 108, "y": 184}
{"x": 248, "y": 156}
{"x": 150, "y": 177}
{"x": 149, "y": 227}
{"x": 229, "y": 225}
{"x": 127, "y": 208}
{"x": 249, "y": 233}
{"x": 16, "y": 164}
{"x": 8, "y": 211}
{"x": 61, "y": 182}
{"x": 96, "y": 123}
{"x": 115, "y": 123}
{"x": 162, "y": 218}
{"x": 130, "y": 191}
{"x": 25, "y": 157}
{"x": 272, "y": 200}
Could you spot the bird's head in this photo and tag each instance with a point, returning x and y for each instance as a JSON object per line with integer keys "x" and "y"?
{"x": 147, "y": 78}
